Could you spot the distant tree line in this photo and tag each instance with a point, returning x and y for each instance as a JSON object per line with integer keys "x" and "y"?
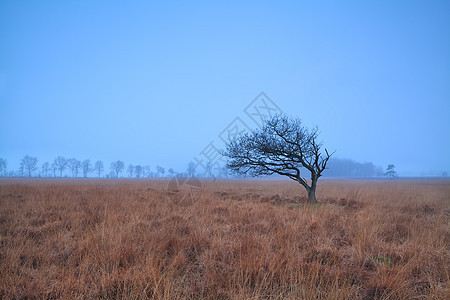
{"x": 71, "y": 167}
{"x": 338, "y": 167}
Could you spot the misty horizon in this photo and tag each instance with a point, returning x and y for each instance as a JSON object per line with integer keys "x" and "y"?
{"x": 163, "y": 84}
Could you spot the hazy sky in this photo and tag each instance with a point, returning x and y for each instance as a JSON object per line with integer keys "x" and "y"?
{"x": 155, "y": 82}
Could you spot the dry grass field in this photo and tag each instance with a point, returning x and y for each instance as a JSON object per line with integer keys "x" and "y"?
{"x": 247, "y": 239}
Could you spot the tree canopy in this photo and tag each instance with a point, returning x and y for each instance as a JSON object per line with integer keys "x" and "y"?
{"x": 282, "y": 146}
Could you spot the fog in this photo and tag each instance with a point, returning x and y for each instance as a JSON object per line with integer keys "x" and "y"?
{"x": 161, "y": 83}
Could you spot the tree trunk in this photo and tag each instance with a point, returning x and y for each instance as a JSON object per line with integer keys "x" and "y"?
{"x": 312, "y": 190}
{"x": 312, "y": 195}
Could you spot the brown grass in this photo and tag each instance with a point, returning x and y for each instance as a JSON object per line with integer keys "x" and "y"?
{"x": 132, "y": 239}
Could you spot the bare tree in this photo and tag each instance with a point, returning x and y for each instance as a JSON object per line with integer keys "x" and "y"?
{"x": 138, "y": 171}
{"x": 209, "y": 169}
{"x": 117, "y": 167}
{"x": 54, "y": 168}
{"x": 30, "y": 164}
{"x": 86, "y": 167}
{"x": 282, "y": 146}
{"x": 160, "y": 171}
{"x": 45, "y": 168}
{"x": 61, "y": 164}
{"x": 21, "y": 168}
{"x": 3, "y": 165}
{"x": 146, "y": 171}
{"x": 98, "y": 167}
{"x": 130, "y": 170}
{"x": 223, "y": 172}
{"x": 191, "y": 169}
{"x": 75, "y": 166}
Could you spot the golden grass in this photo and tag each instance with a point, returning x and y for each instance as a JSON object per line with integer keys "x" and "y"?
{"x": 248, "y": 239}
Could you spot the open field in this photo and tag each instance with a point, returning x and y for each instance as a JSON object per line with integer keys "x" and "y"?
{"x": 243, "y": 239}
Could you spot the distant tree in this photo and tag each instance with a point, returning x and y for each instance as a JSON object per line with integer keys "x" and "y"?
{"x": 160, "y": 171}
{"x": 45, "y": 168}
{"x": 75, "y": 166}
{"x": 61, "y": 164}
{"x": 191, "y": 168}
{"x": 21, "y": 169}
{"x": 367, "y": 170}
{"x": 390, "y": 171}
{"x": 29, "y": 164}
{"x": 209, "y": 169}
{"x": 282, "y": 146}
{"x": 54, "y": 169}
{"x": 138, "y": 171}
{"x": 223, "y": 172}
{"x": 117, "y": 167}
{"x": 98, "y": 167}
{"x": 341, "y": 167}
{"x": 130, "y": 170}
{"x": 378, "y": 171}
{"x": 171, "y": 172}
{"x": 86, "y": 167}
{"x": 146, "y": 171}
{"x": 3, "y": 165}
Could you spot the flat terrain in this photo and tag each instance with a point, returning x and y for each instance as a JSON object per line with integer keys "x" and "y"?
{"x": 247, "y": 239}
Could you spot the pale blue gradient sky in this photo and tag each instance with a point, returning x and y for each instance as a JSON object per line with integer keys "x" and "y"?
{"x": 154, "y": 82}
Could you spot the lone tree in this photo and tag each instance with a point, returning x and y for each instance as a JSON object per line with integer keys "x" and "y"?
{"x": 282, "y": 146}
{"x": 390, "y": 171}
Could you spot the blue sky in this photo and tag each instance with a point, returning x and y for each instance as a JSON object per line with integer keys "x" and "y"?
{"x": 155, "y": 82}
